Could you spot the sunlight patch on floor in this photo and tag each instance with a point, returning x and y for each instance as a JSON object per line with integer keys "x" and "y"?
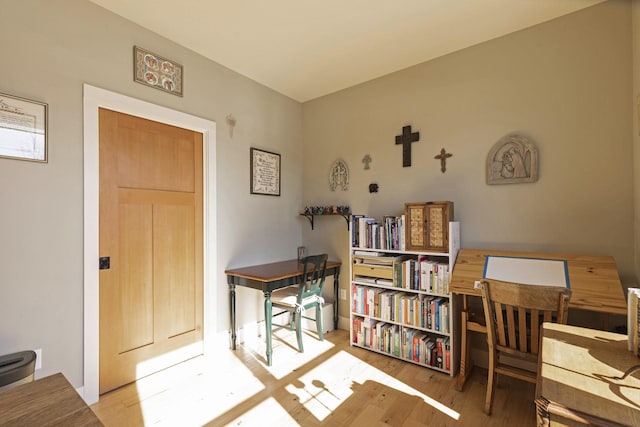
{"x": 196, "y": 392}
{"x": 324, "y": 388}
{"x": 286, "y": 356}
{"x": 267, "y": 413}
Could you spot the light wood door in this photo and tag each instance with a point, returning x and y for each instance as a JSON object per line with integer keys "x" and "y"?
{"x": 151, "y": 228}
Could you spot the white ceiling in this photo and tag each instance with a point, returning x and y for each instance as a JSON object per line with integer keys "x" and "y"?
{"x": 306, "y": 49}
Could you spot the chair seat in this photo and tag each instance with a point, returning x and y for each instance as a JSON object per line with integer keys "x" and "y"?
{"x": 288, "y": 297}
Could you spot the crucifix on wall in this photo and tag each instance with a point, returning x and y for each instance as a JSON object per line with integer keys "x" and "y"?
{"x": 443, "y": 156}
{"x": 366, "y": 160}
{"x": 406, "y": 139}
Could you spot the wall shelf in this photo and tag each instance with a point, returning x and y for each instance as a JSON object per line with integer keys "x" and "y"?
{"x": 310, "y": 217}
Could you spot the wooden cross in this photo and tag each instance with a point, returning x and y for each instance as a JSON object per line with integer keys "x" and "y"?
{"x": 366, "y": 160}
{"x": 443, "y": 156}
{"x": 406, "y": 139}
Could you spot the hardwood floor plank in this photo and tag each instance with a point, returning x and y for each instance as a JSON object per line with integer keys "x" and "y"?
{"x": 331, "y": 384}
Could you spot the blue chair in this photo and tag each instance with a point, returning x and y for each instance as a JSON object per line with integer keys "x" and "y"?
{"x": 298, "y": 298}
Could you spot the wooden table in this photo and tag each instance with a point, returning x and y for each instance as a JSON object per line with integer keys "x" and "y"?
{"x": 267, "y": 278}
{"x": 576, "y": 378}
{"x": 50, "y": 401}
{"x": 594, "y": 283}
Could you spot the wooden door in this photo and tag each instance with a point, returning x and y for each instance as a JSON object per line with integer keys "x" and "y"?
{"x": 151, "y": 228}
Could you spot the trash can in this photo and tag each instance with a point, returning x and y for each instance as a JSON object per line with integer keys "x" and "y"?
{"x": 17, "y": 368}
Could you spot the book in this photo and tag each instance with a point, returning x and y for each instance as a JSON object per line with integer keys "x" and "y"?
{"x": 368, "y": 253}
{"x": 355, "y": 229}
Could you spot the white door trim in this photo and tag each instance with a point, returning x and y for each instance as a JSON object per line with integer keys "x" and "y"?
{"x": 94, "y": 98}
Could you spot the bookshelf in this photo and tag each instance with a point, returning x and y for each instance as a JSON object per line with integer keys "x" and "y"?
{"x": 400, "y": 303}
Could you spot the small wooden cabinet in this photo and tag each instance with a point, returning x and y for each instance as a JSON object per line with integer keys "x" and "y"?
{"x": 428, "y": 226}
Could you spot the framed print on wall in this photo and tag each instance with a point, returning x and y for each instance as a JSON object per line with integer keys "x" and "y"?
{"x": 23, "y": 129}
{"x": 158, "y": 72}
{"x": 265, "y": 172}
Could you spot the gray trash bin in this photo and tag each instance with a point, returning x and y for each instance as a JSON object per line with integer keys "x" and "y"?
{"x": 17, "y": 368}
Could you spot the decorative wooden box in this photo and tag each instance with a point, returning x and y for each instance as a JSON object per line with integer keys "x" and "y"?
{"x": 427, "y": 225}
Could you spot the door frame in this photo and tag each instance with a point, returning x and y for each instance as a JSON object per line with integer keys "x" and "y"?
{"x": 93, "y": 99}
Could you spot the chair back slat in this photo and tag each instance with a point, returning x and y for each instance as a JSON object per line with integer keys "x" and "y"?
{"x": 500, "y": 328}
{"x": 522, "y": 326}
{"x": 511, "y": 326}
{"x": 535, "y": 328}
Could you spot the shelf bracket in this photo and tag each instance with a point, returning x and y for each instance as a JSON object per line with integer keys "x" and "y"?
{"x": 311, "y": 217}
{"x": 346, "y": 218}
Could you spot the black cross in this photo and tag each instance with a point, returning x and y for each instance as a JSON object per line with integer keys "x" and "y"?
{"x": 406, "y": 139}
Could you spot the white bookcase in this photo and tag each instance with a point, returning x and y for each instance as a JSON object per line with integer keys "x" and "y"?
{"x": 400, "y": 303}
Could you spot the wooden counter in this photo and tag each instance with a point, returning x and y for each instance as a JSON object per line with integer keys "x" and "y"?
{"x": 579, "y": 378}
{"x": 50, "y": 401}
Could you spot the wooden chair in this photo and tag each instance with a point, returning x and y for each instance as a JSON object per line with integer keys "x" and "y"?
{"x": 514, "y": 313}
{"x": 308, "y": 294}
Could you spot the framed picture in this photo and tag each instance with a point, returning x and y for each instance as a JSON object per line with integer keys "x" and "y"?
{"x": 265, "y": 172}
{"x": 155, "y": 71}
{"x": 23, "y": 129}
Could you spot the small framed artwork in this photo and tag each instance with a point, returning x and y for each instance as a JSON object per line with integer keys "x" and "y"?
{"x": 158, "y": 72}
{"x": 23, "y": 129}
{"x": 265, "y": 172}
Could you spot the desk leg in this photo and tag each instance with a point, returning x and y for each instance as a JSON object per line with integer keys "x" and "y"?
{"x": 465, "y": 351}
{"x": 267, "y": 323}
{"x": 232, "y": 315}
{"x": 336, "y": 297}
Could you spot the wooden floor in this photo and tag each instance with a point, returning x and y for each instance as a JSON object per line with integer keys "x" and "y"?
{"x": 329, "y": 384}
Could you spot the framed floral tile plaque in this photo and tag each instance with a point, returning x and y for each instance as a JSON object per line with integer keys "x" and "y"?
{"x": 155, "y": 71}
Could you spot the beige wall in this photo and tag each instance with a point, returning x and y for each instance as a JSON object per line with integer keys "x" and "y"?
{"x": 50, "y": 48}
{"x": 565, "y": 84}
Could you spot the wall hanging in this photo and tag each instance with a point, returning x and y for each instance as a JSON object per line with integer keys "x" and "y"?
{"x": 512, "y": 160}
{"x": 155, "y": 71}
{"x": 265, "y": 172}
{"x": 23, "y": 129}
{"x": 339, "y": 175}
{"x": 406, "y": 139}
{"x": 443, "y": 156}
{"x": 366, "y": 160}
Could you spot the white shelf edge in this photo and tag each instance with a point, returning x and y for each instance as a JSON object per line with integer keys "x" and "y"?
{"x": 404, "y": 325}
{"x": 435, "y": 368}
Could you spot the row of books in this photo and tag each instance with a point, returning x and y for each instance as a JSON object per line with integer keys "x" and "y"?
{"x": 404, "y": 343}
{"x": 367, "y": 232}
{"x": 422, "y": 274}
{"x": 419, "y": 310}
{"x": 416, "y": 273}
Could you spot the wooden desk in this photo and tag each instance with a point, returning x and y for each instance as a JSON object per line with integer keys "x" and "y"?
{"x": 267, "y": 278}
{"x": 575, "y": 378}
{"x": 46, "y": 402}
{"x": 594, "y": 283}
